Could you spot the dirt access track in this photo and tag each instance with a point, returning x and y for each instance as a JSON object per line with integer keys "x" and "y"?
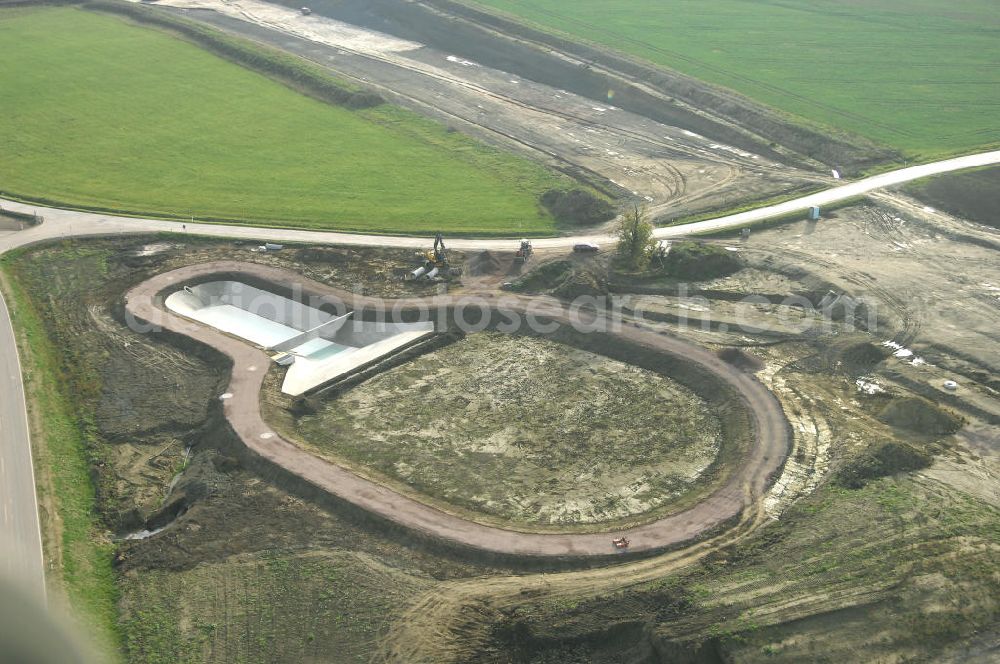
{"x": 673, "y": 163}
{"x": 249, "y": 366}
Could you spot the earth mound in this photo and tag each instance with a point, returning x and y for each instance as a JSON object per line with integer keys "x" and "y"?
{"x": 888, "y": 459}
{"x": 577, "y": 206}
{"x": 544, "y": 277}
{"x": 860, "y": 358}
{"x": 484, "y": 263}
{"x": 741, "y": 360}
{"x": 850, "y": 356}
{"x": 920, "y": 416}
{"x": 700, "y": 262}
{"x": 579, "y": 284}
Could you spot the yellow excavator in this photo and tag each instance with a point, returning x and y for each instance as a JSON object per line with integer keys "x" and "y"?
{"x": 435, "y": 262}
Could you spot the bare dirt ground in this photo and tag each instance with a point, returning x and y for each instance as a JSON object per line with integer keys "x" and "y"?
{"x": 903, "y": 569}
{"x": 935, "y": 282}
{"x": 816, "y": 564}
{"x": 525, "y": 429}
{"x": 933, "y": 279}
{"x": 972, "y": 195}
{"x": 670, "y": 169}
{"x": 227, "y": 536}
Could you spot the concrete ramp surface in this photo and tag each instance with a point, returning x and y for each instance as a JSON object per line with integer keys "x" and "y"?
{"x": 325, "y": 346}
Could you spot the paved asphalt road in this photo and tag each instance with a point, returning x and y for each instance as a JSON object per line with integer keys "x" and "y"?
{"x": 20, "y": 538}
{"x": 19, "y": 544}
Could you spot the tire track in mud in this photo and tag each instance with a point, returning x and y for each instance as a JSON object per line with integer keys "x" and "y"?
{"x": 678, "y": 183}
{"x": 745, "y": 487}
{"x": 770, "y": 87}
{"x": 908, "y": 318}
{"x": 451, "y": 621}
{"x": 890, "y": 228}
{"x": 904, "y": 234}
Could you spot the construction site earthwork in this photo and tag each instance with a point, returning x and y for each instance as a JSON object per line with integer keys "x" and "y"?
{"x": 259, "y": 438}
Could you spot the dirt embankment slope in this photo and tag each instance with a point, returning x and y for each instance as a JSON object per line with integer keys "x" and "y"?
{"x": 659, "y": 94}
{"x": 974, "y": 195}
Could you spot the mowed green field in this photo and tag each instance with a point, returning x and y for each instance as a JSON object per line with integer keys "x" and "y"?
{"x": 97, "y": 112}
{"x": 921, "y": 76}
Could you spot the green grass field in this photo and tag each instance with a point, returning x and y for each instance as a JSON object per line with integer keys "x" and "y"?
{"x": 100, "y": 113}
{"x": 921, "y": 76}
{"x": 274, "y": 606}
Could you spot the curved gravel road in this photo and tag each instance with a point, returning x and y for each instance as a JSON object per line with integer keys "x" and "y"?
{"x": 746, "y": 484}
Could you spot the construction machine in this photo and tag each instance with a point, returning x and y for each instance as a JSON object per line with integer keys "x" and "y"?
{"x": 435, "y": 263}
{"x": 523, "y": 253}
{"x": 437, "y": 255}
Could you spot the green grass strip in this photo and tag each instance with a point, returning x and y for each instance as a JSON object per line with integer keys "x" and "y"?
{"x": 86, "y": 574}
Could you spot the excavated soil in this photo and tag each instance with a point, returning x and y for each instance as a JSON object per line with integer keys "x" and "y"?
{"x": 973, "y": 195}
{"x": 656, "y": 93}
{"x": 919, "y": 416}
{"x": 931, "y": 283}
{"x": 484, "y": 263}
{"x": 524, "y": 429}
